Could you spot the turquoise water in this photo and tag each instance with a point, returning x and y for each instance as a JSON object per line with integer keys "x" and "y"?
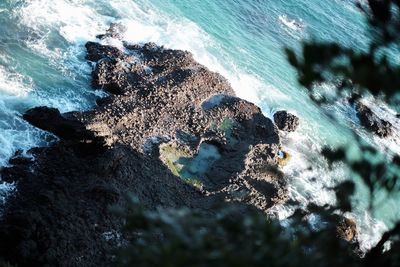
{"x": 42, "y": 63}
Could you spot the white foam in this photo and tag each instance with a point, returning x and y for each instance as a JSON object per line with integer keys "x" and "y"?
{"x": 38, "y": 21}
{"x": 14, "y": 90}
{"x": 14, "y": 84}
{"x": 79, "y": 22}
{"x": 291, "y": 23}
{"x": 74, "y": 20}
{"x": 370, "y": 230}
{"x": 311, "y": 181}
{"x": 15, "y": 134}
{"x": 294, "y": 28}
{"x": 383, "y": 111}
{"x": 5, "y": 190}
{"x": 151, "y": 26}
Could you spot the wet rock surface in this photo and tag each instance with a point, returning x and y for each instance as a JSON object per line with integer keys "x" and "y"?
{"x": 171, "y": 132}
{"x": 372, "y": 122}
{"x": 68, "y": 129}
{"x": 286, "y": 121}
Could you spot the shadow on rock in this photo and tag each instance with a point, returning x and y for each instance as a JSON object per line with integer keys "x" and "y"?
{"x": 167, "y": 118}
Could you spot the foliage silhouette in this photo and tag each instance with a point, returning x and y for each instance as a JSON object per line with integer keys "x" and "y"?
{"x": 236, "y": 235}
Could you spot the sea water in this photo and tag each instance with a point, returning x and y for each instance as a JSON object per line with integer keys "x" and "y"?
{"x": 42, "y": 63}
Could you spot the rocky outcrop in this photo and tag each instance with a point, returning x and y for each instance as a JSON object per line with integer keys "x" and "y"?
{"x": 171, "y": 132}
{"x": 372, "y": 122}
{"x": 286, "y": 121}
{"x": 369, "y": 119}
{"x": 69, "y": 129}
{"x": 96, "y": 52}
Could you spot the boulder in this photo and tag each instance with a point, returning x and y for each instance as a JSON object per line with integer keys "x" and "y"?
{"x": 372, "y": 122}
{"x": 286, "y": 121}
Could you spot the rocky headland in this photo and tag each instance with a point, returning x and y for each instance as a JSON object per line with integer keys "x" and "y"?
{"x": 171, "y": 132}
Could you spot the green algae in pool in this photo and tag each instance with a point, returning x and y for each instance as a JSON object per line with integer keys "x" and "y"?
{"x": 191, "y": 168}
{"x": 226, "y": 127}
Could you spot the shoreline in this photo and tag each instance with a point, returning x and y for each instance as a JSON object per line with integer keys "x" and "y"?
{"x": 161, "y": 134}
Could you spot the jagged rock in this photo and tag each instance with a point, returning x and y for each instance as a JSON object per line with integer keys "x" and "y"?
{"x": 158, "y": 99}
{"x": 96, "y": 51}
{"x": 20, "y": 165}
{"x": 265, "y": 177}
{"x": 20, "y": 159}
{"x": 286, "y": 121}
{"x": 51, "y": 120}
{"x": 70, "y": 129}
{"x": 372, "y": 122}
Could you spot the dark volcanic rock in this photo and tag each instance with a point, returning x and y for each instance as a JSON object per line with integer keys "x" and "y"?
{"x": 96, "y": 51}
{"x": 286, "y": 121}
{"x": 20, "y": 159}
{"x": 51, "y": 120}
{"x": 372, "y": 122}
{"x": 60, "y": 216}
{"x": 167, "y": 119}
